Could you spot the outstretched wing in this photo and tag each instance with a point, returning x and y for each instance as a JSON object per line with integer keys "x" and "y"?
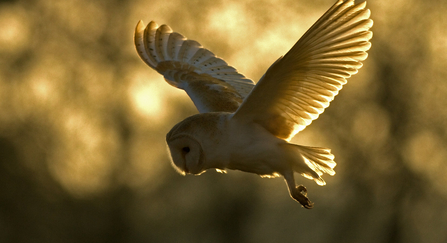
{"x": 209, "y": 81}
{"x": 297, "y": 88}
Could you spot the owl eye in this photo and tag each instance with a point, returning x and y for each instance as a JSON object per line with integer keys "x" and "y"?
{"x": 186, "y": 149}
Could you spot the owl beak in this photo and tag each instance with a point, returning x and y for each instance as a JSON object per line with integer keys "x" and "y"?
{"x": 185, "y": 169}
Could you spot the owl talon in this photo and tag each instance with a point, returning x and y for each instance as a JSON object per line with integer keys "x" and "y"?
{"x": 300, "y": 195}
{"x": 302, "y": 189}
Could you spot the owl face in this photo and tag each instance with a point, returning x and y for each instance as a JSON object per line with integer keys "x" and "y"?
{"x": 193, "y": 138}
{"x": 186, "y": 153}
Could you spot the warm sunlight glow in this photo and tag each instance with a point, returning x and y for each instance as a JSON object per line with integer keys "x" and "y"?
{"x": 426, "y": 153}
{"x": 83, "y": 124}
{"x": 42, "y": 90}
{"x": 228, "y": 21}
{"x": 83, "y": 163}
{"x": 147, "y": 97}
{"x": 371, "y": 126}
{"x": 14, "y": 33}
{"x": 262, "y": 51}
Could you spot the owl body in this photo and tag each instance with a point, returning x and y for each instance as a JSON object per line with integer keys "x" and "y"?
{"x": 255, "y": 150}
{"x": 228, "y": 143}
{"x": 247, "y": 127}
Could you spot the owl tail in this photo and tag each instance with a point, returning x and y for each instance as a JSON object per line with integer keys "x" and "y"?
{"x": 318, "y": 160}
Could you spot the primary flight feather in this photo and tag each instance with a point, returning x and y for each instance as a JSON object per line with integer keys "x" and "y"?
{"x": 243, "y": 126}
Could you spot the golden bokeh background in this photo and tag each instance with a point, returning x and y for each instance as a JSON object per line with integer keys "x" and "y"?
{"x": 83, "y": 123}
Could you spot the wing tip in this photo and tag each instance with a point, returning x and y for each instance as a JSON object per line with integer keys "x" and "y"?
{"x": 362, "y": 5}
{"x": 139, "y": 29}
{"x": 140, "y": 26}
{"x": 152, "y": 25}
{"x": 139, "y": 41}
{"x": 164, "y": 29}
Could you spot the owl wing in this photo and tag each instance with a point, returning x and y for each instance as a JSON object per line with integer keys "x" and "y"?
{"x": 209, "y": 81}
{"x": 297, "y": 88}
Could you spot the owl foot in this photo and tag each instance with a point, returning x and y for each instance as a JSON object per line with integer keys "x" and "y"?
{"x": 300, "y": 195}
{"x": 302, "y": 189}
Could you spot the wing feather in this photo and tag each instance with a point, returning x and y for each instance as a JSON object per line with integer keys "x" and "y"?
{"x": 174, "y": 44}
{"x": 208, "y": 80}
{"x": 297, "y": 88}
{"x": 161, "y": 39}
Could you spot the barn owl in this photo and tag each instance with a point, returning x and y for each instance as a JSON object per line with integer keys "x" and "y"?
{"x": 247, "y": 127}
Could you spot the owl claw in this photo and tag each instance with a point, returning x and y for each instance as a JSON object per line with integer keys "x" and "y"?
{"x": 301, "y": 196}
{"x": 302, "y": 189}
{"x": 298, "y": 193}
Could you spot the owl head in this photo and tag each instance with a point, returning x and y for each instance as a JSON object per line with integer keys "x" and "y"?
{"x": 189, "y": 140}
{"x": 186, "y": 153}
